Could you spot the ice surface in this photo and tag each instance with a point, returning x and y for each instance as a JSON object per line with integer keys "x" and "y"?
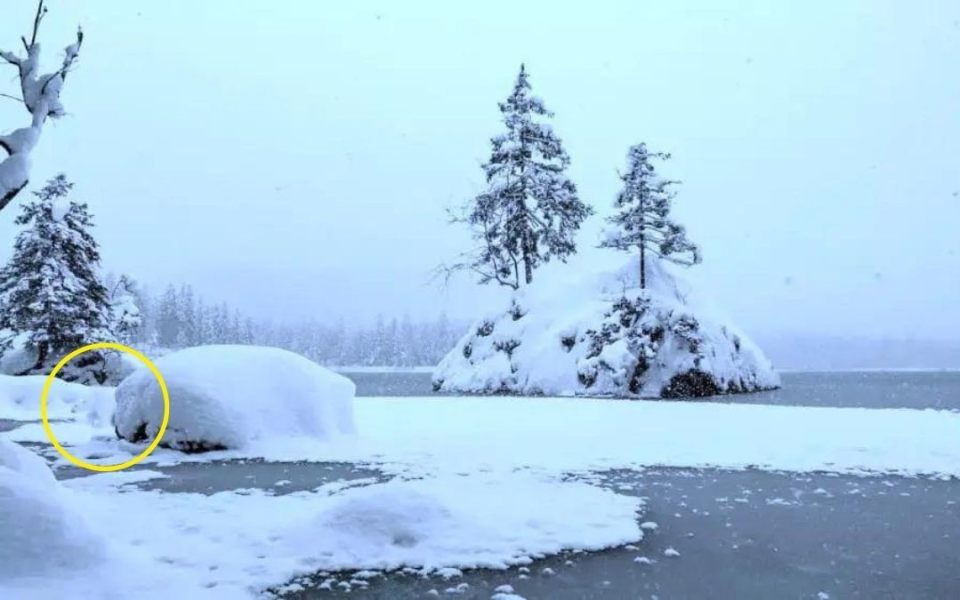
{"x": 233, "y": 545}
{"x": 229, "y": 396}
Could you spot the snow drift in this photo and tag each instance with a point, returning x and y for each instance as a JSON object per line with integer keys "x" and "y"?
{"x": 41, "y": 534}
{"x": 228, "y": 396}
{"x": 488, "y": 521}
{"x": 20, "y": 400}
{"x": 601, "y": 335}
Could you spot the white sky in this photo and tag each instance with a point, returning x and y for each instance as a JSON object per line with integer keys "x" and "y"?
{"x": 296, "y": 158}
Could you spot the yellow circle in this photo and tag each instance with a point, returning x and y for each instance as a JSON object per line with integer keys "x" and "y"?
{"x": 46, "y": 392}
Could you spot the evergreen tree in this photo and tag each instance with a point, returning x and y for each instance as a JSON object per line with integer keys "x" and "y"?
{"x": 204, "y": 328}
{"x": 187, "y": 317}
{"x": 410, "y": 349}
{"x": 126, "y": 316}
{"x": 530, "y": 212}
{"x": 147, "y": 333}
{"x": 236, "y": 328}
{"x": 52, "y": 298}
{"x": 642, "y": 221}
{"x": 249, "y": 333}
{"x": 168, "y": 321}
{"x": 220, "y": 323}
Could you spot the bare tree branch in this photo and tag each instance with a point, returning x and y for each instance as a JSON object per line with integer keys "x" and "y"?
{"x": 40, "y": 95}
{"x": 70, "y": 54}
{"x": 10, "y": 57}
{"x": 41, "y": 12}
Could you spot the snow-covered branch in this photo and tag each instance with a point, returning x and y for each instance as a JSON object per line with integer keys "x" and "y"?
{"x": 41, "y": 97}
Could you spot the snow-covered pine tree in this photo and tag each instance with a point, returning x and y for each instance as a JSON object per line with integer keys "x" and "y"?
{"x": 642, "y": 221}
{"x": 126, "y": 319}
{"x": 530, "y": 211}
{"x": 52, "y": 298}
{"x": 220, "y": 323}
{"x": 168, "y": 320}
{"x": 187, "y": 316}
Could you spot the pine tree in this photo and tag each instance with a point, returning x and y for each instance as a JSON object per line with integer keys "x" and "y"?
{"x": 642, "y": 221}
{"x": 530, "y": 212}
{"x": 52, "y": 297}
{"x": 220, "y": 323}
{"x": 168, "y": 321}
{"x": 126, "y": 315}
{"x": 249, "y": 333}
{"x": 187, "y": 316}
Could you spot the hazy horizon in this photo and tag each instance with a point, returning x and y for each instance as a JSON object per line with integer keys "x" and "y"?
{"x": 298, "y": 163}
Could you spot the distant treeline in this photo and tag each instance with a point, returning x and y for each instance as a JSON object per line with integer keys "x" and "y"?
{"x": 180, "y": 318}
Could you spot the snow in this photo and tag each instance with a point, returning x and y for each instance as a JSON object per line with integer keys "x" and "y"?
{"x": 231, "y": 396}
{"x": 471, "y": 475}
{"x": 41, "y": 98}
{"x": 20, "y": 401}
{"x": 14, "y": 173}
{"x": 473, "y": 521}
{"x": 573, "y": 435}
{"x": 439, "y": 434}
{"x": 192, "y": 542}
{"x": 564, "y": 335}
{"x": 59, "y": 208}
{"x": 43, "y": 534}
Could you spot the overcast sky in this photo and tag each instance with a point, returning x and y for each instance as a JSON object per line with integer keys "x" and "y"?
{"x": 296, "y": 158}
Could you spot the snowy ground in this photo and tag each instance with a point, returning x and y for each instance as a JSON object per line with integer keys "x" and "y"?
{"x": 557, "y": 435}
{"x": 476, "y": 482}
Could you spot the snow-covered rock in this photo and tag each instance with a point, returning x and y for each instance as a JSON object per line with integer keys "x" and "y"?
{"x": 40, "y": 534}
{"x": 583, "y": 330}
{"x": 228, "y": 396}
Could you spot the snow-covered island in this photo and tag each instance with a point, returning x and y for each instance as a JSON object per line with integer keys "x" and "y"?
{"x": 600, "y": 334}
{"x": 575, "y": 325}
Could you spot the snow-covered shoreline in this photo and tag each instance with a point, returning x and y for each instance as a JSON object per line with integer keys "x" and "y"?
{"x": 448, "y": 434}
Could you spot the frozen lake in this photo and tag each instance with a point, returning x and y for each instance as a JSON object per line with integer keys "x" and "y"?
{"x": 746, "y": 534}
{"x": 881, "y": 389}
{"x": 739, "y": 534}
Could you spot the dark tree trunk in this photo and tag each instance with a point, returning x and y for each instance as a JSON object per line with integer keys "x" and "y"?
{"x": 37, "y": 367}
{"x": 643, "y": 266}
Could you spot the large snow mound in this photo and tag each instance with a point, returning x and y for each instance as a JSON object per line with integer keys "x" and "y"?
{"x": 20, "y": 400}
{"x": 588, "y": 330}
{"x": 229, "y": 396}
{"x": 39, "y": 533}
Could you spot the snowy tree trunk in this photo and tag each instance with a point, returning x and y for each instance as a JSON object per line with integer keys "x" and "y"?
{"x": 643, "y": 264}
{"x": 41, "y": 98}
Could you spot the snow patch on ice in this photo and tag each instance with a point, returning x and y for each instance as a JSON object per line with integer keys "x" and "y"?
{"x": 472, "y": 521}
{"x": 191, "y": 544}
